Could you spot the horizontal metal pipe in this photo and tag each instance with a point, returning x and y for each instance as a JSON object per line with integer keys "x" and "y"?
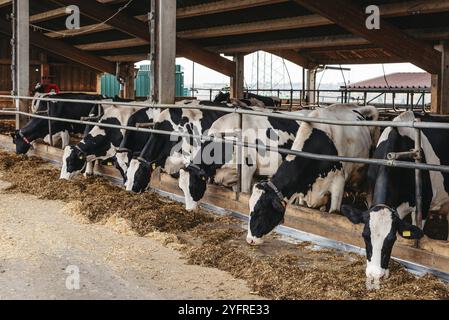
{"x": 388, "y": 163}
{"x": 396, "y": 124}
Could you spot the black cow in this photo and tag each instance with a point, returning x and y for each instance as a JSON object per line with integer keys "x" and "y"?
{"x": 394, "y": 193}
{"x": 314, "y": 182}
{"x": 249, "y": 99}
{"x": 38, "y": 128}
{"x": 216, "y": 161}
{"x": 134, "y": 141}
{"x": 101, "y": 143}
{"x": 167, "y": 151}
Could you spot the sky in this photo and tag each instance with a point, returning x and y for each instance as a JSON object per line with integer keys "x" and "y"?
{"x": 282, "y": 73}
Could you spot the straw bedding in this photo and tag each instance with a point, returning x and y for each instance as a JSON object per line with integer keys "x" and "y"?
{"x": 276, "y": 270}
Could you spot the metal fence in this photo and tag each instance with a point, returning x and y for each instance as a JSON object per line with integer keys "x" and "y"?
{"x": 395, "y": 99}
{"x": 394, "y": 159}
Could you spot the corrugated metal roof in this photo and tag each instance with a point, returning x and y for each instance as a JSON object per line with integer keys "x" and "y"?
{"x": 396, "y": 80}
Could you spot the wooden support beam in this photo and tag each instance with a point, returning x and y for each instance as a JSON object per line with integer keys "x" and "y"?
{"x": 100, "y": 12}
{"x": 238, "y": 80}
{"x": 127, "y": 57}
{"x": 321, "y": 42}
{"x": 294, "y": 57}
{"x": 4, "y": 3}
{"x": 353, "y": 18}
{"x": 204, "y": 57}
{"x": 140, "y": 30}
{"x": 117, "y": 44}
{"x": 387, "y": 11}
{"x": 222, "y": 6}
{"x": 64, "y": 50}
{"x": 48, "y": 15}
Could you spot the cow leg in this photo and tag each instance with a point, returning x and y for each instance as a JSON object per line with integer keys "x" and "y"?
{"x": 337, "y": 192}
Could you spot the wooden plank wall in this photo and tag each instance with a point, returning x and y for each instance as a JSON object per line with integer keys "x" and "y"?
{"x": 68, "y": 77}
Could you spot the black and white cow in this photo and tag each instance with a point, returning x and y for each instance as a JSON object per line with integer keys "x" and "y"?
{"x": 249, "y": 100}
{"x": 134, "y": 141}
{"x": 101, "y": 143}
{"x": 38, "y": 128}
{"x": 260, "y": 130}
{"x": 166, "y": 151}
{"x": 313, "y": 182}
{"x": 394, "y": 193}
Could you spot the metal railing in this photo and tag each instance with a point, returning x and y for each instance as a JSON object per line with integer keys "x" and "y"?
{"x": 387, "y": 99}
{"x": 394, "y": 159}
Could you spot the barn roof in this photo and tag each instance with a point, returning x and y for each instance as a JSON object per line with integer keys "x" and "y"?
{"x": 299, "y": 30}
{"x": 401, "y": 80}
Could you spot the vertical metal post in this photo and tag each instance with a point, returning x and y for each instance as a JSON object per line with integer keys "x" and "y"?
{"x": 22, "y": 11}
{"x": 291, "y": 100}
{"x": 152, "y": 57}
{"x": 303, "y": 95}
{"x": 13, "y": 49}
{"x": 257, "y": 73}
{"x": 412, "y": 101}
{"x": 239, "y": 157}
{"x": 50, "y": 131}
{"x": 365, "y": 98}
{"x": 394, "y": 100}
{"x": 193, "y": 81}
{"x": 418, "y": 180}
{"x": 210, "y": 94}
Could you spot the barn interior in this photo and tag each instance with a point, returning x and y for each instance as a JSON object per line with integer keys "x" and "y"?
{"x": 307, "y": 33}
{"x": 115, "y": 34}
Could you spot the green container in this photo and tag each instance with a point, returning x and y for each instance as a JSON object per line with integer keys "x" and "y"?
{"x": 110, "y": 87}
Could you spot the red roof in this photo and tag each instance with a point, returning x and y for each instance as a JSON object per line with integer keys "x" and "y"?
{"x": 396, "y": 80}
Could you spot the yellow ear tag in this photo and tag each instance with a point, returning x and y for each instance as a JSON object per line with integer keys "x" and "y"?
{"x": 407, "y": 233}
{"x": 154, "y": 166}
{"x": 110, "y": 164}
{"x": 203, "y": 178}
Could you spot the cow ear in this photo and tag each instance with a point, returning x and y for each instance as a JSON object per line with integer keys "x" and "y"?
{"x": 278, "y": 205}
{"x": 353, "y": 214}
{"x": 408, "y": 231}
{"x": 13, "y": 135}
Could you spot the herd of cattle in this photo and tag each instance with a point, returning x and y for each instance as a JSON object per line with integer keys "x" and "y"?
{"x": 291, "y": 179}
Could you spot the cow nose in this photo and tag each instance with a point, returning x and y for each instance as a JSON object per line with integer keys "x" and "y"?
{"x": 253, "y": 240}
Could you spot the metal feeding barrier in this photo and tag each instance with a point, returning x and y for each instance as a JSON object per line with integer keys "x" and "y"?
{"x": 393, "y": 159}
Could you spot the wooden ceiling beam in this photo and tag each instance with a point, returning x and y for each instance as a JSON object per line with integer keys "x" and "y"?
{"x": 139, "y": 30}
{"x": 117, "y": 44}
{"x": 323, "y": 42}
{"x": 389, "y": 37}
{"x": 222, "y": 6}
{"x": 294, "y": 57}
{"x": 48, "y": 15}
{"x": 387, "y": 11}
{"x": 62, "y": 49}
{"x": 4, "y": 3}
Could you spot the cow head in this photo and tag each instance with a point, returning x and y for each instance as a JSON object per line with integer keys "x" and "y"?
{"x": 39, "y": 88}
{"x": 74, "y": 161}
{"x": 192, "y": 181}
{"x": 23, "y": 144}
{"x": 267, "y": 211}
{"x": 123, "y": 158}
{"x": 382, "y": 224}
{"x": 138, "y": 176}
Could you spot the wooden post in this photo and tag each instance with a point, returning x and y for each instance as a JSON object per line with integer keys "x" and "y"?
{"x": 444, "y": 81}
{"x": 237, "y": 82}
{"x": 435, "y": 91}
{"x": 311, "y": 86}
{"x": 23, "y": 58}
{"x": 129, "y": 77}
{"x": 44, "y": 68}
{"x": 165, "y": 51}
